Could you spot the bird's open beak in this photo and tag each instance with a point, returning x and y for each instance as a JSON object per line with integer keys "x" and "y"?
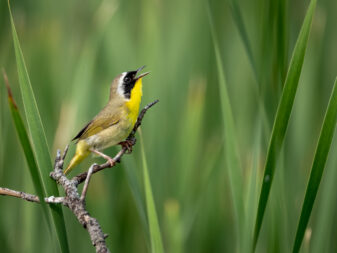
{"x": 141, "y": 75}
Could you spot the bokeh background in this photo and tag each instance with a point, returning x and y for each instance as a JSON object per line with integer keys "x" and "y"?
{"x": 74, "y": 49}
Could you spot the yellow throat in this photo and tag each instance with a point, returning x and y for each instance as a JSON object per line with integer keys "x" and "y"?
{"x": 134, "y": 101}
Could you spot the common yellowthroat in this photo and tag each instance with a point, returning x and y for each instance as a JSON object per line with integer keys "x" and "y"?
{"x": 114, "y": 122}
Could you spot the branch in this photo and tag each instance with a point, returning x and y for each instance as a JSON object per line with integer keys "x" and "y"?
{"x": 77, "y": 205}
{"x": 86, "y": 184}
{"x": 81, "y": 177}
{"x": 30, "y": 197}
{"x": 73, "y": 200}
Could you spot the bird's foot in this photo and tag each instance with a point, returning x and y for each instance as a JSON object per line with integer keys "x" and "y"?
{"x": 127, "y": 144}
{"x": 111, "y": 161}
{"x": 108, "y": 158}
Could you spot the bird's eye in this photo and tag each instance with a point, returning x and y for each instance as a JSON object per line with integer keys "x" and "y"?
{"x": 127, "y": 79}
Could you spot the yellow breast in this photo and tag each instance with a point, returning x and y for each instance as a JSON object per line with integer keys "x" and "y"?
{"x": 134, "y": 102}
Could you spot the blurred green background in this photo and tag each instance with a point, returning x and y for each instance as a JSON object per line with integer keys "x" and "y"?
{"x": 74, "y": 49}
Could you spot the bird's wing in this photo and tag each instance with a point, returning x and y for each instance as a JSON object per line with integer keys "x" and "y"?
{"x": 102, "y": 121}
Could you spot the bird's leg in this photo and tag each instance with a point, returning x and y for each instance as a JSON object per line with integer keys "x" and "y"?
{"x": 127, "y": 144}
{"x": 108, "y": 158}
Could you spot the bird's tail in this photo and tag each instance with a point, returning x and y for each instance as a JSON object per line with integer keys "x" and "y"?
{"x": 82, "y": 151}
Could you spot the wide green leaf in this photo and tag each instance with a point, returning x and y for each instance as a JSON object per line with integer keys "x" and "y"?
{"x": 27, "y": 150}
{"x": 283, "y": 115}
{"x": 155, "y": 236}
{"x": 321, "y": 155}
{"x": 38, "y": 138}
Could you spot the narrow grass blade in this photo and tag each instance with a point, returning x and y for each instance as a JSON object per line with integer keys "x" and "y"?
{"x": 134, "y": 183}
{"x": 282, "y": 38}
{"x": 326, "y": 210}
{"x": 27, "y": 149}
{"x": 39, "y": 141}
{"x": 173, "y": 226}
{"x": 232, "y": 161}
{"x": 251, "y": 190}
{"x": 322, "y": 151}
{"x": 237, "y": 16}
{"x": 283, "y": 115}
{"x": 155, "y": 236}
{"x": 189, "y": 132}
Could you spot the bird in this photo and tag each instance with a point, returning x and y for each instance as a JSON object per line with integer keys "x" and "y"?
{"x": 114, "y": 122}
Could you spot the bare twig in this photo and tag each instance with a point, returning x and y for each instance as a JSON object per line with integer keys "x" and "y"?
{"x": 86, "y": 184}
{"x": 80, "y": 178}
{"x": 30, "y": 197}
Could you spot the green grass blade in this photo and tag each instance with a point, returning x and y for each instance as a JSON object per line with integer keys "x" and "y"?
{"x": 283, "y": 115}
{"x": 282, "y": 38}
{"x": 39, "y": 141}
{"x": 232, "y": 161}
{"x": 155, "y": 236}
{"x": 322, "y": 151}
{"x": 27, "y": 149}
{"x": 237, "y": 16}
{"x": 327, "y": 206}
{"x": 134, "y": 183}
{"x": 251, "y": 191}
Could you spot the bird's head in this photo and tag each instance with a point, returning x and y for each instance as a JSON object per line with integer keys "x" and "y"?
{"x": 125, "y": 82}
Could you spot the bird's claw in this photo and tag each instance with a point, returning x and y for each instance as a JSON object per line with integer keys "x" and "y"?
{"x": 128, "y": 145}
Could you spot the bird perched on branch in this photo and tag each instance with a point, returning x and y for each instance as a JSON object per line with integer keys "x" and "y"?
{"x": 114, "y": 122}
